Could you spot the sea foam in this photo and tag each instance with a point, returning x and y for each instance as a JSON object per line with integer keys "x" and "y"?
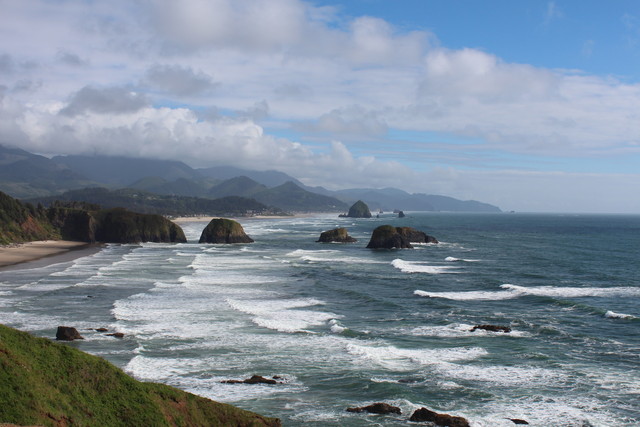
{"x": 416, "y": 267}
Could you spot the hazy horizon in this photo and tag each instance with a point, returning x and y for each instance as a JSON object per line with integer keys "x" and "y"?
{"x": 530, "y": 106}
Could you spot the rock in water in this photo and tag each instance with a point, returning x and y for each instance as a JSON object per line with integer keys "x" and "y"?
{"x": 424, "y": 414}
{"x": 359, "y": 210}
{"x": 388, "y": 237}
{"x": 221, "y": 230}
{"x": 401, "y": 214}
{"x": 255, "y": 379}
{"x": 339, "y": 235}
{"x": 416, "y": 236}
{"x": 377, "y": 408}
{"x": 492, "y": 328}
{"x": 67, "y": 333}
{"x": 518, "y": 421}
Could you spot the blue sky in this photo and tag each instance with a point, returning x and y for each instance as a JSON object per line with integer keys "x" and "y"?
{"x": 529, "y": 105}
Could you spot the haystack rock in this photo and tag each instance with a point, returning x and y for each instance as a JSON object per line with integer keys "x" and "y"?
{"x": 338, "y": 235}
{"x": 424, "y": 414}
{"x": 221, "y": 230}
{"x": 68, "y": 333}
{"x": 358, "y": 210}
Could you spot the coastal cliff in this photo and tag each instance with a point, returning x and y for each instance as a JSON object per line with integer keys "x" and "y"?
{"x": 51, "y": 384}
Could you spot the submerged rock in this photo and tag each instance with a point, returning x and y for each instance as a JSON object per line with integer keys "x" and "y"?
{"x": 222, "y": 230}
{"x": 424, "y": 415}
{"x": 68, "y": 333}
{"x": 116, "y": 335}
{"x": 492, "y": 328}
{"x": 338, "y": 235}
{"x": 377, "y": 408}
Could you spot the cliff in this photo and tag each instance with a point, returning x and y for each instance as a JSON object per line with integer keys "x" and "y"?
{"x": 50, "y": 384}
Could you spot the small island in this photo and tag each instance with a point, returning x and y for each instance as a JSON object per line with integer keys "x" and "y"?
{"x": 222, "y": 230}
{"x": 358, "y": 210}
{"x": 337, "y": 235}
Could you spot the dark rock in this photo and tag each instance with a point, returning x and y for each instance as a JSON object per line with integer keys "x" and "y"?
{"x": 116, "y": 334}
{"x": 221, "y": 230}
{"x": 416, "y": 236}
{"x": 424, "y": 415}
{"x": 492, "y": 328}
{"x": 122, "y": 226}
{"x": 377, "y": 408}
{"x": 102, "y": 329}
{"x": 358, "y": 210}
{"x": 336, "y": 235}
{"x": 518, "y": 421}
{"x": 388, "y": 237}
{"x": 256, "y": 379}
{"x": 401, "y": 214}
{"x": 68, "y": 333}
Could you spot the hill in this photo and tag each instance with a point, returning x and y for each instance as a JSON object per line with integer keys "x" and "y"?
{"x": 143, "y": 202}
{"x": 291, "y": 197}
{"x": 23, "y": 222}
{"x": 47, "y": 383}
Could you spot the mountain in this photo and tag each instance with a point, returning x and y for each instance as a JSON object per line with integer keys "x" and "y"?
{"x": 121, "y": 171}
{"x": 290, "y": 196}
{"x": 269, "y": 178}
{"x": 179, "y": 187}
{"x": 239, "y": 186}
{"x": 53, "y": 384}
{"x": 25, "y": 175}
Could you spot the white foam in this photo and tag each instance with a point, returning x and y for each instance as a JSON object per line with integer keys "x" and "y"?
{"x": 283, "y": 315}
{"x": 397, "y": 359}
{"x": 336, "y": 327}
{"x": 454, "y": 259}
{"x": 613, "y": 315}
{"x": 461, "y": 330}
{"x": 501, "y": 375}
{"x": 470, "y": 295}
{"x": 415, "y": 267}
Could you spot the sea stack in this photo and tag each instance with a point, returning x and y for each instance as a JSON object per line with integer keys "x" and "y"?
{"x": 390, "y": 237}
{"x": 337, "y": 235}
{"x": 222, "y": 230}
{"x": 358, "y": 210}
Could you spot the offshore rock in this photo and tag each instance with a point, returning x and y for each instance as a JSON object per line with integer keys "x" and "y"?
{"x": 424, "y": 415}
{"x": 401, "y": 214}
{"x": 416, "y": 236}
{"x": 518, "y": 421}
{"x": 358, "y": 210}
{"x": 388, "y": 237}
{"x": 122, "y": 226}
{"x": 492, "y": 328}
{"x": 68, "y": 333}
{"x": 377, "y": 408}
{"x": 255, "y": 379}
{"x": 222, "y": 230}
{"x": 338, "y": 235}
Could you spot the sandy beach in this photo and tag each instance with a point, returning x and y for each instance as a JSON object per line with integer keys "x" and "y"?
{"x": 31, "y": 251}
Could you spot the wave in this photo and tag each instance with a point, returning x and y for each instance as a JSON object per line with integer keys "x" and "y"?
{"x": 455, "y": 330}
{"x": 613, "y": 315}
{"x": 514, "y": 291}
{"x": 415, "y": 267}
{"x": 454, "y": 259}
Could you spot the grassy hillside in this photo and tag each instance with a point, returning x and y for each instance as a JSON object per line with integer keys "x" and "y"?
{"x": 23, "y": 222}
{"x": 51, "y": 384}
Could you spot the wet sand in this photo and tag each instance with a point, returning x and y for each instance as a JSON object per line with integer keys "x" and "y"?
{"x": 48, "y": 251}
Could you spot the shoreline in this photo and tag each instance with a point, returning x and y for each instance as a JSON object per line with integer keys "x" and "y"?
{"x": 43, "y": 252}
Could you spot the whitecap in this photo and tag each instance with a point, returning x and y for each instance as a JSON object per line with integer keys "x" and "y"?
{"x": 415, "y": 267}
{"x": 470, "y": 295}
{"x": 574, "y": 292}
{"x": 613, "y": 315}
{"x": 454, "y": 259}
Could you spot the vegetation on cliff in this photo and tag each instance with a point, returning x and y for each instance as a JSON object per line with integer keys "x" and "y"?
{"x": 23, "y": 222}
{"x": 50, "y": 384}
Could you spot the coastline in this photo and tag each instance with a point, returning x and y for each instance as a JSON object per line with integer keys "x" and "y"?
{"x": 44, "y": 252}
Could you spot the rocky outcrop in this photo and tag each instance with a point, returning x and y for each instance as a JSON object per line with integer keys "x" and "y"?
{"x": 358, "y": 210}
{"x": 401, "y": 214}
{"x": 377, "y": 408}
{"x": 221, "y": 230}
{"x": 492, "y": 328}
{"x": 416, "y": 236}
{"x": 425, "y": 415}
{"x": 255, "y": 379}
{"x": 123, "y": 226}
{"x": 518, "y": 421}
{"x": 338, "y": 235}
{"x": 388, "y": 237}
{"x": 68, "y": 333}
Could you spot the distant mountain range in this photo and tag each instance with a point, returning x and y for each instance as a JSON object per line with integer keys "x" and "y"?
{"x": 28, "y": 176}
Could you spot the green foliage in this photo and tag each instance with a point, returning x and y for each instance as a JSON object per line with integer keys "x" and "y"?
{"x": 23, "y": 222}
{"x": 47, "y": 383}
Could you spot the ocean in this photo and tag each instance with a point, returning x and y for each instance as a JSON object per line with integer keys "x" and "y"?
{"x": 344, "y": 326}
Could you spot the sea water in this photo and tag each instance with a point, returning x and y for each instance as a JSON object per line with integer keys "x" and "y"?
{"x": 345, "y": 326}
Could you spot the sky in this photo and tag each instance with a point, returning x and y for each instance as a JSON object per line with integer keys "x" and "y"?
{"x": 529, "y": 105}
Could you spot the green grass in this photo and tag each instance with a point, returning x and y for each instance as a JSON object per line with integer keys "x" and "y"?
{"x": 51, "y": 384}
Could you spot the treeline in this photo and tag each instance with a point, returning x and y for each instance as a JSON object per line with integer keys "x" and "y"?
{"x": 144, "y": 202}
